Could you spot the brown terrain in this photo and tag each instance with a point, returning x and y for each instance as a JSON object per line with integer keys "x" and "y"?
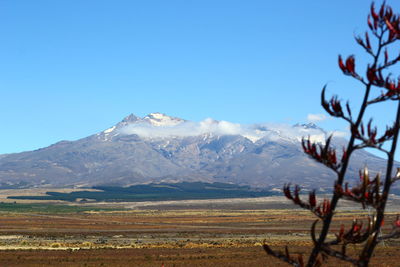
{"x": 173, "y": 233}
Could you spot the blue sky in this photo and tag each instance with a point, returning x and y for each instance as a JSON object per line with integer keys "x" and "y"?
{"x": 72, "y": 68}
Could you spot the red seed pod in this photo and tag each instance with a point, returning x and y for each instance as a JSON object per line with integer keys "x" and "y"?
{"x": 325, "y": 206}
{"x": 390, "y": 85}
{"x": 367, "y": 40}
{"x": 303, "y": 145}
{"x": 370, "y": 23}
{"x": 389, "y": 13}
{"x": 360, "y": 41}
{"x": 286, "y": 191}
{"x": 356, "y": 227}
{"x": 397, "y": 222}
{"x": 344, "y": 156}
{"x": 296, "y": 198}
{"x": 350, "y": 64}
{"x": 382, "y": 11}
{"x": 333, "y": 157}
{"x": 374, "y": 15}
{"x": 336, "y": 106}
{"x": 312, "y": 199}
{"x": 328, "y": 206}
{"x": 371, "y": 75}
{"x": 380, "y": 80}
{"x": 341, "y": 65}
{"x": 389, "y": 132}
{"x": 372, "y": 138}
{"x": 318, "y": 210}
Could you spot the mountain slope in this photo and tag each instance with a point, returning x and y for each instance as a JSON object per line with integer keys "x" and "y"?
{"x": 159, "y": 148}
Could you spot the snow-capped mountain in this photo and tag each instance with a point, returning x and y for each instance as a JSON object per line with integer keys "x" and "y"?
{"x": 160, "y": 126}
{"x": 159, "y": 148}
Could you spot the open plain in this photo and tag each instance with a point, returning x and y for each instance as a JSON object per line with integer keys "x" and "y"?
{"x": 228, "y": 232}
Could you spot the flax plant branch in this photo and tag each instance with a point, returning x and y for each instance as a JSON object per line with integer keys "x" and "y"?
{"x": 385, "y": 27}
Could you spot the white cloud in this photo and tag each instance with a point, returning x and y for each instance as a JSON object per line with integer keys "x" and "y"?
{"x": 339, "y": 134}
{"x": 185, "y": 128}
{"x": 254, "y": 132}
{"x": 316, "y": 117}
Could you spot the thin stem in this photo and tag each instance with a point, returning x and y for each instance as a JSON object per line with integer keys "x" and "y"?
{"x": 339, "y": 255}
{"x": 371, "y": 146}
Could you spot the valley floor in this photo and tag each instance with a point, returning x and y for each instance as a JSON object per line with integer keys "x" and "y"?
{"x": 215, "y": 233}
{"x": 211, "y": 257}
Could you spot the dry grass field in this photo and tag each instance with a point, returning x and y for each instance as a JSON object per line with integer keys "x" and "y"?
{"x": 152, "y": 234}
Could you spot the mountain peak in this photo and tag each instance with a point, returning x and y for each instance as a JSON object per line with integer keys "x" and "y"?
{"x": 130, "y": 118}
{"x": 154, "y": 119}
{"x": 159, "y": 148}
{"x": 160, "y": 119}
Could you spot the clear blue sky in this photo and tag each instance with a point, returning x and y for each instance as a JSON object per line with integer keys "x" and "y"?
{"x": 71, "y": 68}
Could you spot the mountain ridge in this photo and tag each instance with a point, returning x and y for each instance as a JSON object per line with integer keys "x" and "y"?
{"x": 160, "y": 148}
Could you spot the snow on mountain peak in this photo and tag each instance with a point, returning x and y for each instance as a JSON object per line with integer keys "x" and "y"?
{"x": 158, "y": 115}
{"x": 159, "y": 125}
{"x": 154, "y": 119}
{"x": 160, "y": 119}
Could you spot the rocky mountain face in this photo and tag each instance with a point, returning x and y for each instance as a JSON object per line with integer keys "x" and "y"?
{"x": 159, "y": 148}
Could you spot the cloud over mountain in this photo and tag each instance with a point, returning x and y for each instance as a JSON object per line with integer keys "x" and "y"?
{"x": 159, "y": 148}
{"x": 146, "y": 129}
